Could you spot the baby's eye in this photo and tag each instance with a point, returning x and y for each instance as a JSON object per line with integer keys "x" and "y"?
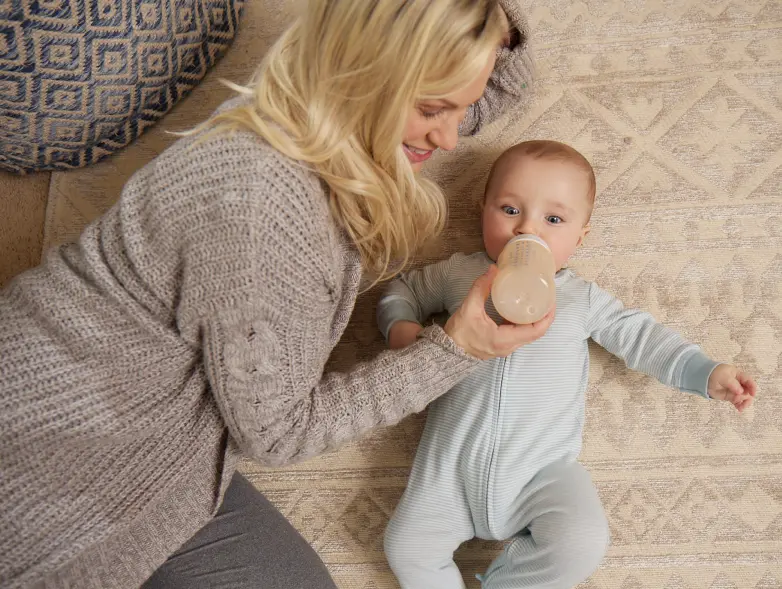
{"x": 510, "y": 210}
{"x": 554, "y": 220}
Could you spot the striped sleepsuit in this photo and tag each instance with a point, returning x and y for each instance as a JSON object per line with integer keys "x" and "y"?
{"x": 497, "y": 458}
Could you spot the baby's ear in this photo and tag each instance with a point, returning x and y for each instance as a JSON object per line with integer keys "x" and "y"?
{"x": 480, "y": 204}
{"x": 584, "y": 232}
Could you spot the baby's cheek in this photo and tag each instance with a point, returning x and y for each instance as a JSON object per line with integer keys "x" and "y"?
{"x": 562, "y": 255}
{"x": 492, "y": 243}
{"x": 496, "y": 246}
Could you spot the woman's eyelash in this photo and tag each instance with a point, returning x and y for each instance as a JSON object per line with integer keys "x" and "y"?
{"x": 431, "y": 115}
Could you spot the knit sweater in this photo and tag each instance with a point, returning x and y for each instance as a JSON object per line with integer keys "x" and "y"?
{"x": 189, "y": 325}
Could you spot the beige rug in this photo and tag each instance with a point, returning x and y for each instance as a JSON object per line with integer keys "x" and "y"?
{"x": 678, "y": 104}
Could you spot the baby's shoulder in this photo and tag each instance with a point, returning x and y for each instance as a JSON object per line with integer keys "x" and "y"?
{"x": 569, "y": 279}
{"x": 468, "y": 266}
{"x": 573, "y": 289}
{"x": 478, "y": 259}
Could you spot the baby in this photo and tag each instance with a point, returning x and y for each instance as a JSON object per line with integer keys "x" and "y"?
{"x": 497, "y": 459}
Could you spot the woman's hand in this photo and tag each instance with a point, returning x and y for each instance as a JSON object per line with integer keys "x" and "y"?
{"x": 512, "y": 37}
{"x": 478, "y": 335}
{"x": 507, "y": 39}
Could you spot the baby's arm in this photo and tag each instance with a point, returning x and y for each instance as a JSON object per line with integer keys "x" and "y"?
{"x": 403, "y": 333}
{"x": 409, "y": 300}
{"x": 648, "y": 346}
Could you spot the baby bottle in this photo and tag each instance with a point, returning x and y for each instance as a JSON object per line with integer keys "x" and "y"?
{"x": 524, "y": 290}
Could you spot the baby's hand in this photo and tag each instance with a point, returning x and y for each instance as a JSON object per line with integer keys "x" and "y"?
{"x": 403, "y": 334}
{"x": 728, "y": 383}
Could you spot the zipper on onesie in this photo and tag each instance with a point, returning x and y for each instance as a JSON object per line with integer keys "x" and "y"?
{"x": 489, "y": 494}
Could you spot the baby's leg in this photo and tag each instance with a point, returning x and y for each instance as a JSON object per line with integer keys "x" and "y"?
{"x": 564, "y": 533}
{"x": 427, "y": 527}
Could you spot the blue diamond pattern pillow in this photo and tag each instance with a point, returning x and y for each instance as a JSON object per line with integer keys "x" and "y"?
{"x": 80, "y": 79}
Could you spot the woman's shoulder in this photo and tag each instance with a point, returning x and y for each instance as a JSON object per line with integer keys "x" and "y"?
{"x": 220, "y": 176}
{"x": 229, "y": 195}
{"x": 234, "y": 159}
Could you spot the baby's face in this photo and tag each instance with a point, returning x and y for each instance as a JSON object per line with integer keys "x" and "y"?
{"x": 540, "y": 197}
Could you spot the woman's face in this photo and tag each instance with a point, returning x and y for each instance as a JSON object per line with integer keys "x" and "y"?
{"x": 434, "y": 124}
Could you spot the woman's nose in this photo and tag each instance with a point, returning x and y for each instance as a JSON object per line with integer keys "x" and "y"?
{"x": 446, "y": 135}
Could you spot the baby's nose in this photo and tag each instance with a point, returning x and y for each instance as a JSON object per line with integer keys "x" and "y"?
{"x": 526, "y": 227}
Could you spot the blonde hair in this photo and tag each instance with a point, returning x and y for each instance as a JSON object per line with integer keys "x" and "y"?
{"x": 335, "y": 90}
{"x": 547, "y": 149}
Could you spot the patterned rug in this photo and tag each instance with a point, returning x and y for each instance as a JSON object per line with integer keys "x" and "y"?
{"x": 679, "y": 107}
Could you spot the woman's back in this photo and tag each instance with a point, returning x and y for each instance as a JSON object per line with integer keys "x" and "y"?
{"x": 105, "y": 406}
{"x": 195, "y": 319}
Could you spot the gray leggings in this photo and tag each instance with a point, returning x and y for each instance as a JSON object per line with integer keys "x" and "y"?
{"x": 248, "y": 544}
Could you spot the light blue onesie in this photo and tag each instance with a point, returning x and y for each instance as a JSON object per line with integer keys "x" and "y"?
{"x": 497, "y": 458}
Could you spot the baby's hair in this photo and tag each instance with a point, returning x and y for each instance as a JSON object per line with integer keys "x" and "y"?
{"x": 549, "y": 150}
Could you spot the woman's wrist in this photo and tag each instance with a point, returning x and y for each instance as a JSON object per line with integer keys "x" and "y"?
{"x": 440, "y": 336}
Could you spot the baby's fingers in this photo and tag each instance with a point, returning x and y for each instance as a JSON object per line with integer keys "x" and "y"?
{"x": 748, "y": 384}
{"x": 734, "y": 388}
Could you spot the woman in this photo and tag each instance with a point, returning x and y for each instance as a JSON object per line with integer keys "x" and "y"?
{"x": 192, "y": 323}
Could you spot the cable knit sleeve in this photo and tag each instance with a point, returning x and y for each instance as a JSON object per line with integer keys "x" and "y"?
{"x": 511, "y": 79}
{"x": 263, "y": 281}
{"x": 267, "y": 377}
